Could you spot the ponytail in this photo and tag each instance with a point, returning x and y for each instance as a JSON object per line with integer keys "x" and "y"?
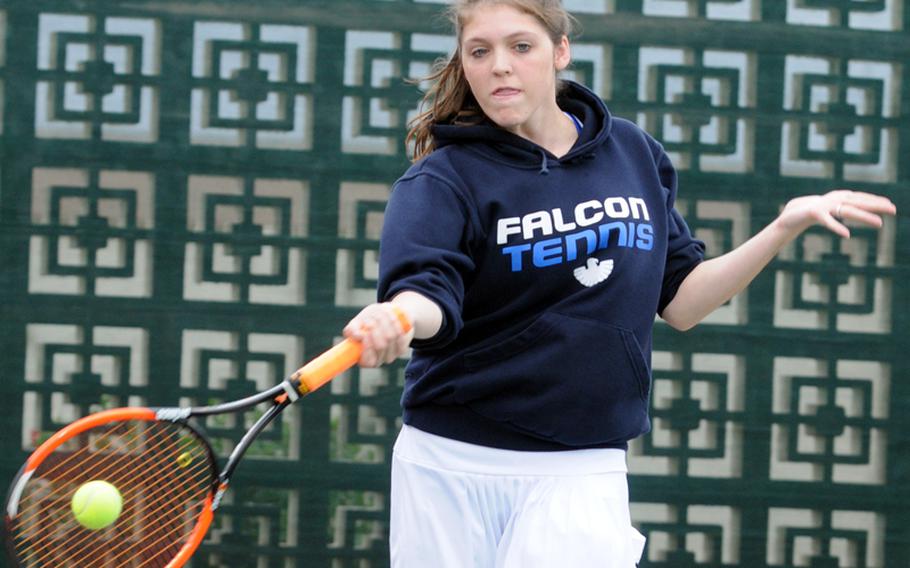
{"x": 448, "y": 101}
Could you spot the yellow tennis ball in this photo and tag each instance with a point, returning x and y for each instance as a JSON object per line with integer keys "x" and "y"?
{"x": 96, "y": 504}
{"x": 185, "y": 459}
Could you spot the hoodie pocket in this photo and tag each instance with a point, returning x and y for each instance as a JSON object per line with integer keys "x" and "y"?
{"x": 572, "y": 380}
{"x": 527, "y": 338}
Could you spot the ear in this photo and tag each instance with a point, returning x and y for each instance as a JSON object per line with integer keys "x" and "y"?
{"x": 562, "y": 54}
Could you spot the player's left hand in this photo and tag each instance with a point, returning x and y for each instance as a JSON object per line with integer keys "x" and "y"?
{"x": 834, "y": 210}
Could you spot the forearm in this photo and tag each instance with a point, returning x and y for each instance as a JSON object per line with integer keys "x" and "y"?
{"x": 714, "y": 282}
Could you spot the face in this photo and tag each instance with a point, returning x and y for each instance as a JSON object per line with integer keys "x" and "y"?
{"x": 510, "y": 63}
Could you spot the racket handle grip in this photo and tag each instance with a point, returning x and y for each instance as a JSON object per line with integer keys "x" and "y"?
{"x": 337, "y": 360}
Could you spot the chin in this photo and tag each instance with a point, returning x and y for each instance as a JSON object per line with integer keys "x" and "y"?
{"x": 509, "y": 121}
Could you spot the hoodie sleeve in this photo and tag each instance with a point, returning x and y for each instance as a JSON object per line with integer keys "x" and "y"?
{"x": 423, "y": 248}
{"x": 684, "y": 252}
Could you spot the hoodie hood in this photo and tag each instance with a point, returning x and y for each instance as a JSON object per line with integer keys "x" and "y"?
{"x": 572, "y": 98}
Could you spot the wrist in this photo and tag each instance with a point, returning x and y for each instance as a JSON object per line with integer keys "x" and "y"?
{"x": 406, "y": 318}
{"x": 785, "y": 230}
{"x": 425, "y": 316}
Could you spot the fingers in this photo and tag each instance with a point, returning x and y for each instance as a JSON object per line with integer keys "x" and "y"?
{"x": 378, "y": 328}
{"x": 844, "y": 201}
{"x": 857, "y": 207}
{"x": 859, "y": 215}
{"x": 835, "y": 211}
{"x": 834, "y": 224}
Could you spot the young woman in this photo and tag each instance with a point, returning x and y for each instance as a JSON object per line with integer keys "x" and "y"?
{"x": 531, "y": 245}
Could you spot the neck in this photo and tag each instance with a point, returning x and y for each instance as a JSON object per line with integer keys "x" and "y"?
{"x": 554, "y": 132}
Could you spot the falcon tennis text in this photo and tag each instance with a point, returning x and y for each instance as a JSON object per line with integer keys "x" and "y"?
{"x": 564, "y": 248}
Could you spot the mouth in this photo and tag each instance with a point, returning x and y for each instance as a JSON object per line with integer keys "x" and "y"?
{"x": 505, "y": 92}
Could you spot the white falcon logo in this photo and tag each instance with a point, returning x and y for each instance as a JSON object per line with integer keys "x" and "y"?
{"x": 594, "y": 272}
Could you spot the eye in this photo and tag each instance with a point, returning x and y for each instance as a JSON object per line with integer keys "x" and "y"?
{"x": 522, "y": 47}
{"x": 478, "y": 52}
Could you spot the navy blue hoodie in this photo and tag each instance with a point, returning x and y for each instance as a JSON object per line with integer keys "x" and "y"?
{"x": 549, "y": 272}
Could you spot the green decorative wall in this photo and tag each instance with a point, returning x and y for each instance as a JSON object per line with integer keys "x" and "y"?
{"x": 191, "y": 194}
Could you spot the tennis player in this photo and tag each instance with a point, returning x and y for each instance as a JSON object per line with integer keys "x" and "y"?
{"x": 531, "y": 243}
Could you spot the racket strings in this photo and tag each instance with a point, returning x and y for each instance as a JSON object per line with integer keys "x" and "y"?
{"x": 159, "y": 540}
{"x": 115, "y": 469}
{"x": 52, "y": 554}
{"x": 157, "y": 508}
{"x": 34, "y": 510}
{"x": 76, "y": 549}
{"x": 164, "y": 473}
{"x": 57, "y": 463}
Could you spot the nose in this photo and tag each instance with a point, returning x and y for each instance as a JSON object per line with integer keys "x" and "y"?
{"x": 501, "y": 63}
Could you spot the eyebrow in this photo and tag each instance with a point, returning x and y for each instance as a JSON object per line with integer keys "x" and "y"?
{"x": 512, "y": 35}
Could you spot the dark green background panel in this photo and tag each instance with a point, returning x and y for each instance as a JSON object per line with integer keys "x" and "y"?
{"x": 191, "y": 195}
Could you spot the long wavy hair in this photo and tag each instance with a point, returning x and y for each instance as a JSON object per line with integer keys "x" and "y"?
{"x": 449, "y": 99}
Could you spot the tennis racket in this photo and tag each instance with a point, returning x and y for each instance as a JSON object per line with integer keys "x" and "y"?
{"x": 162, "y": 465}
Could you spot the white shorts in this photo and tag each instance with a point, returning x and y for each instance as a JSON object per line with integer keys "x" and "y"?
{"x": 458, "y": 505}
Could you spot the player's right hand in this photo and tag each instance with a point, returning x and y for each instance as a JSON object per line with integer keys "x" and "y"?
{"x": 379, "y": 330}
